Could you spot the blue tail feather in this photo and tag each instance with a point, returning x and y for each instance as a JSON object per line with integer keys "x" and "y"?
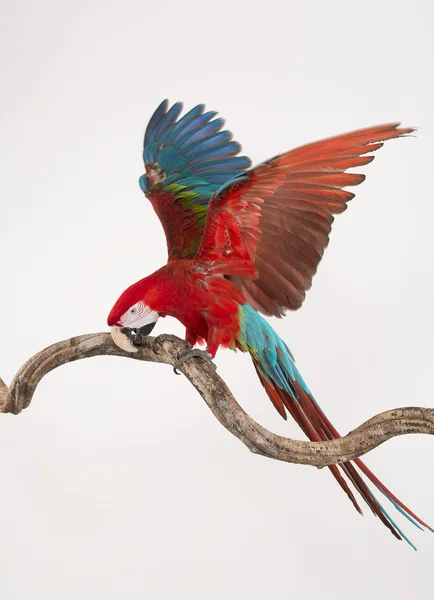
{"x": 280, "y": 377}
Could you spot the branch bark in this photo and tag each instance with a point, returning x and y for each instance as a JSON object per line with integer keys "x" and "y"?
{"x": 214, "y": 391}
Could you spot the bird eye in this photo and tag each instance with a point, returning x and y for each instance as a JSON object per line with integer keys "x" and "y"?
{"x": 133, "y": 311}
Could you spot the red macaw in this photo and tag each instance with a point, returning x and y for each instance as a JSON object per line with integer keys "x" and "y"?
{"x": 242, "y": 242}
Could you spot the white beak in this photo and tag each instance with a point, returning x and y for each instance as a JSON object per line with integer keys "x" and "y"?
{"x": 121, "y": 340}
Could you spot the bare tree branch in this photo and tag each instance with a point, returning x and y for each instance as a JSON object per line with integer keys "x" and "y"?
{"x": 219, "y": 399}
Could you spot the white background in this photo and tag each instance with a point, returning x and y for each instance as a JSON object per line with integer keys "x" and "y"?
{"x": 118, "y": 482}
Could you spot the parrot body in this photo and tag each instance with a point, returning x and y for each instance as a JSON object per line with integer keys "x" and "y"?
{"x": 243, "y": 242}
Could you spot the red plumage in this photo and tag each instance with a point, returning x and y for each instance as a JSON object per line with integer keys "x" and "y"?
{"x": 264, "y": 235}
{"x": 277, "y": 219}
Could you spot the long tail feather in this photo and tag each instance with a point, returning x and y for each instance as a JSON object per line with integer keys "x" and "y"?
{"x": 287, "y": 390}
{"x": 389, "y": 495}
{"x": 299, "y": 417}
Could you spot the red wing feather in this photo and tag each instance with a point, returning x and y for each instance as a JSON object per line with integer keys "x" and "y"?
{"x": 269, "y": 228}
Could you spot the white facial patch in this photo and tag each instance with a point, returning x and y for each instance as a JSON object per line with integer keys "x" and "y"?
{"x": 138, "y": 315}
{"x": 150, "y": 317}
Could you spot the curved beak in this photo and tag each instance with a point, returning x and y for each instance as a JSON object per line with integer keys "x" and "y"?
{"x": 130, "y": 339}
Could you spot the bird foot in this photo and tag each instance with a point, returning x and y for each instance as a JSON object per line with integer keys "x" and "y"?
{"x": 159, "y": 339}
{"x": 183, "y": 356}
{"x": 189, "y": 352}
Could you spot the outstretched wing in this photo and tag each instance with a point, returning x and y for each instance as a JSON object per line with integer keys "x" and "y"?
{"x": 268, "y": 230}
{"x": 186, "y": 160}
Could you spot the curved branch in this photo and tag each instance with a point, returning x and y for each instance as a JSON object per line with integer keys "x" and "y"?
{"x": 219, "y": 399}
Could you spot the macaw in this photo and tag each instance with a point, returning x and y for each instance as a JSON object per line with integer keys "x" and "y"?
{"x": 243, "y": 243}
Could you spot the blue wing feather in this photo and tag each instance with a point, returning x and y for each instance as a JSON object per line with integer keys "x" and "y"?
{"x": 239, "y": 163}
{"x": 154, "y": 121}
{"x": 181, "y": 127}
{"x": 208, "y": 143}
{"x": 190, "y": 154}
{"x": 168, "y": 120}
{"x": 198, "y": 129}
{"x": 218, "y": 152}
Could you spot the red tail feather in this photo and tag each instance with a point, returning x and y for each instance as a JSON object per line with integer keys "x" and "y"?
{"x": 317, "y": 427}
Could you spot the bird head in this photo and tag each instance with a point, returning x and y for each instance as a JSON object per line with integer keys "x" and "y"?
{"x": 133, "y": 316}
